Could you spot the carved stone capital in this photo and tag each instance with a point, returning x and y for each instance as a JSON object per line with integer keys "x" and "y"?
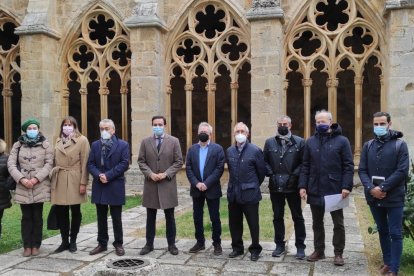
{"x": 124, "y": 89}
{"x": 332, "y": 82}
{"x": 7, "y": 92}
{"x": 103, "y": 91}
{"x": 359, "y": 80}
{"x": 65, "y": 93}
{"x": 189, "y": 87}
{"x": 83, "y": 91}
{"x": 307, "y": 82}
{"x": 169, "y": 90}
{"x": 265, "y": 9}
{"x": 285, "y": 85}
{"x": 398, "y": 4}
{"x": 212, "y": 87}
{"x": 234, "y": 85}
{"x": 145, "y": 14}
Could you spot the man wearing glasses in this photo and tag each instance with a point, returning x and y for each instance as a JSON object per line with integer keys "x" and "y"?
{"x": 283, "y": 156}
{"x": 159, "y": 160}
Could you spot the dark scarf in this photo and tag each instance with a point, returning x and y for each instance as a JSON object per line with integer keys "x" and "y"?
{"x": 31, "y": 142}
{"x": 106, "y": 148}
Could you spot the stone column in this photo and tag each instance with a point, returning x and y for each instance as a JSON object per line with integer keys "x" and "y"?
{"x": 40, "y": 73}
{"x": 266, "y": 17}
{"x": 148, "y": 92}
{"x": 399, "y": 81}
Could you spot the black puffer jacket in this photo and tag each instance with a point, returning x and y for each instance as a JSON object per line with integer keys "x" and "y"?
{"x": 328, "y": 165}
{"x": 283, "y": 167}
{"x": 5, "y": 196}
{"x": 380, "y": 158}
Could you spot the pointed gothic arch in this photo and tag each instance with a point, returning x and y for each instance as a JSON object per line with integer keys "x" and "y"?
{"x": 334, "y": 61}
{"x": 208, "y": 60}
{"x": 10, "y": 99}
{"x": 97, "y": 73}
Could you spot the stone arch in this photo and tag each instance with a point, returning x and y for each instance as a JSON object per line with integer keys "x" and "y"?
{"x": 332, "y": 44}
{"x": 96, "y": 61}
{"x": 10, "y": 88}
{"x": 204, "y": 62}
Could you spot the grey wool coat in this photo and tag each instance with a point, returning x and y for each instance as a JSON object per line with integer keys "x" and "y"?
{"x": 162, "y": 194}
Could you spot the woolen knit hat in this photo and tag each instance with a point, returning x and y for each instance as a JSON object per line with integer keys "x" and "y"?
{"x": 30, "y": 122}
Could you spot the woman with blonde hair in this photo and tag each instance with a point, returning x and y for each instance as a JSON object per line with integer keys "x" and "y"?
{"x": 69, "y": 178}
{"x": 29, "y": 163}
{"x": 5, "y": 196}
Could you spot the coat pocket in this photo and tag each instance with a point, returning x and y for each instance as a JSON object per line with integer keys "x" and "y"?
{"x": 250, "y": 192}
{"x": 281, "y": 181}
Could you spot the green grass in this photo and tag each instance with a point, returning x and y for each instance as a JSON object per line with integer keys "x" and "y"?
{"x": 407, "y": 260}
{"x": 11, "y": 238}
{"x": 185, "y": 224}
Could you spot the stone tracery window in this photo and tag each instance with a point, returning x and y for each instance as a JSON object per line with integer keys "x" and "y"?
{"x": 209, "y": 74}
{"x": 10, "y": 99}
{"x": 333, "y": 62}
{"x": 97, "y": 77}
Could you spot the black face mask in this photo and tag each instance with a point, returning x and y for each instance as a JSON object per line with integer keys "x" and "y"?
{"x": 283, "y": 130}
{"x": 203, "y": 137}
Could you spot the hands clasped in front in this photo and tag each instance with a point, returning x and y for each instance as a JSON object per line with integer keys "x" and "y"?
{"x": 29, "y": 183}
{"x": 156, "y": 177}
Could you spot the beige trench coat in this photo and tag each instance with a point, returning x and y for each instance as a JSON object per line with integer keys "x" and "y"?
{"x": 163, "y": 194}
{"x": 34, "y": 162}
{"x": 70, "y": 171}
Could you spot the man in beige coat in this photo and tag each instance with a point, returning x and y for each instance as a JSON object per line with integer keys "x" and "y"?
{"x": 159, "y": 159}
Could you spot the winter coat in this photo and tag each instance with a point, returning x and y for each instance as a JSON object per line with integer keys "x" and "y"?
{"x": 380, "y": 158}
{"x": 328, "y": 165}
{"x": 161, "y": 194}
{"x": 283, "y": 167}
{"x": 114, "y": 166}
{"x": 5, "y": 196}
{"x": 35, "y": 161}
{"x": 247, "y": 171}
{"x": 70, "y": 171}
{"x": 213, "y": 170}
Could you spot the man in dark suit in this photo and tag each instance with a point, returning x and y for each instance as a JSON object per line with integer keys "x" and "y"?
{"x": 160, "y": 159}
{"x": 108, "y": 161}
{"x": 204, "y": 167}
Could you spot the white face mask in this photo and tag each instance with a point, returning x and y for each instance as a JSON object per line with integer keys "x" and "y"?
{"x": 241, "y": 138}
{"x": 105, "y": 135}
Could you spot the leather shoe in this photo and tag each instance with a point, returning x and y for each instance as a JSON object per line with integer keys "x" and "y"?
{"x": 338, "y": 260}
{"x": 254, "y": 256}
{"x": 384, "y": 269}
{"x": 146, "y": 249}
{"x": 197, "y": 247}
{"x": 27, "y": 252}
{"x": 35, "y": 251}
{"x": 235, "y": 253}
{"x": 300, "y": 254}
{"x": 119, "y": 250}
{"x": 217, "y": 250}
{"x": 98, "y": 249}
{"x": 173, "y": 249}
{"x": 316, "y": 256}
{"x": 72, "y": 246}
{"x": 64, "y": 246}
{"x": 279, "y": 251}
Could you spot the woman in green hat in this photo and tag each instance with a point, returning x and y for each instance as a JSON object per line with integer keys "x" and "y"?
{"x": 29, "y": 163}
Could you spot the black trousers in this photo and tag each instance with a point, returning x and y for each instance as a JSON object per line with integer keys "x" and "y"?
{"x": 214, "y": 212}
{"x": 251, "y": 212}
{"x": 170, "y": 225}
{"x": 295, "y": 206}
{"x": 338, "y": 240}
{"x": 116, "y": 215}
{"x": 69, "y": 228}
{"x": 32, "y": 224}
{"x": 1, "y": 216}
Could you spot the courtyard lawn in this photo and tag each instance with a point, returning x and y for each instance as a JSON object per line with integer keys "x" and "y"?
{"x": 185, "y": 224}
{"x": 11, "y": 238}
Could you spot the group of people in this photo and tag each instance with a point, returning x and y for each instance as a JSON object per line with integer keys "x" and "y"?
{"x": 297, "y": 170}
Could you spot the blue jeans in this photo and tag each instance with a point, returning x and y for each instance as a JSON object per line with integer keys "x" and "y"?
{"x": 389, "y": 223}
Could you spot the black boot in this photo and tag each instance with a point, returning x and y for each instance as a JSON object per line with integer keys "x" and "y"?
{"x": 62, "y": 247}
{"x": 72, "y": 245}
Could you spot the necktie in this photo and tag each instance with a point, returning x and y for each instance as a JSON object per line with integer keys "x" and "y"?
{"x": 159, "y": 143}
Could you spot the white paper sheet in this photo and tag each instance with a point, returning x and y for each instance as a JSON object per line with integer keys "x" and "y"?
{"x": 335, "y": 202}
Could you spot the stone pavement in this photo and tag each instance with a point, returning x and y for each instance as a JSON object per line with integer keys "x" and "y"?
{"x": 202, "y": 263}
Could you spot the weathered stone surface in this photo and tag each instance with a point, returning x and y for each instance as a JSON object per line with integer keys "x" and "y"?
{"x": 50, "y": 264}
{"x": 246, "y": 266}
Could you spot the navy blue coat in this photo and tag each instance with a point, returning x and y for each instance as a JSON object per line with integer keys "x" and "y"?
{"x": 328, "y": 165}
{"x": 382, "y": 159}
{"x": 247, "y": 171}
{"x": 213, "y": 170}
{"x": 115, "y": 165}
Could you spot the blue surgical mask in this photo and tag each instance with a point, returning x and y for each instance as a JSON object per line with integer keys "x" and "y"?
{"x": 105, "y": 135}
{"x": 380, "y": 130}
{"x": 32, "y": 133}
{"x": 322, "y": 128}
{"x": 158, "y": 131}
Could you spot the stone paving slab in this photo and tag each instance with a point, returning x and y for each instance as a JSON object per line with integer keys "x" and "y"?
{"x": 249, "y": 267}
{"x": 23, "y": 272}
{"x": 50, "y": 264}
{"x": 286, "y": 268}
